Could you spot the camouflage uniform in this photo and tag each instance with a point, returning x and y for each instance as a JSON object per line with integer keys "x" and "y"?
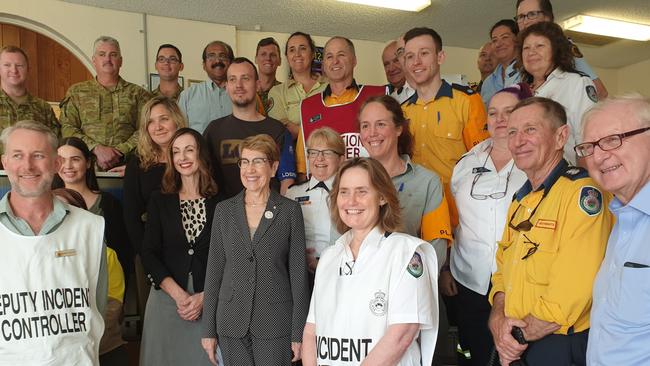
{"x": 156, "y": 92}
{"x": 100, "y": 116}
{"x": 33, "y": 108}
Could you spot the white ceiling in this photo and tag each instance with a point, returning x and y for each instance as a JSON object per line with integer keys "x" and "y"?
{"x": 461, "y": 23}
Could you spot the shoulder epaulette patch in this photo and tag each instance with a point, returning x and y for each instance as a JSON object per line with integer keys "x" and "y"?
{"x": 464, "y": 88}
{"x": 415, "y": 266}
{"x": 591, "y": 200}
{"x": 575, "y": 173}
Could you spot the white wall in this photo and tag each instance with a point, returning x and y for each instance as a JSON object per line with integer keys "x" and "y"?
{"x": 77, "y": 26}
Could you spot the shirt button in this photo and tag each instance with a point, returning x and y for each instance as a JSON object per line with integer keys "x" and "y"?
{"x": 425, "y": 107}
{"x": 528, "y": 210}
{"x": 448, "y": 135}
{"x": 190, "y": 251}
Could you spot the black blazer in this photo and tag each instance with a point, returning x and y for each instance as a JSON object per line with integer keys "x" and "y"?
{"x": 257, "y": 285}
{"x": 138, "y": 186}
{"x": 115, "y": 231}
{"x": 165, "y": 251}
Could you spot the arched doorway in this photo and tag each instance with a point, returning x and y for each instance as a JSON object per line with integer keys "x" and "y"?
{"x": 53, "y": 68}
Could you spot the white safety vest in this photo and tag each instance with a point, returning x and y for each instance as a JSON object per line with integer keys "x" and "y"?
{"x": 354, "y": 304}
{"x": 48, "y": 283}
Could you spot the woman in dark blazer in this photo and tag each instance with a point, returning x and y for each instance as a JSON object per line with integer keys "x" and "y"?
{"x": 175, "y": 253}
{"x": 159, "y": 119}
{"x": 256, "y": 293}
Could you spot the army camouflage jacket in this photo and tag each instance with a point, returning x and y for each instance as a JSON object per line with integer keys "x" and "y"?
{"x": 33, "y": 108}
{"x": 100, "y": 116}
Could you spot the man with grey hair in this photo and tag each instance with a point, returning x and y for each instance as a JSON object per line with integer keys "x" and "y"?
{"x": 54, "y": 279}
{"x": 616, "y": 151}
{"x": 104, "y": 112}
{"x": 208, "y": 101}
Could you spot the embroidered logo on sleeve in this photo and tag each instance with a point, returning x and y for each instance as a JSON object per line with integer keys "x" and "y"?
{"x": 415, "y": 266}
{"x": 591, "y": 93}
{"x": 591, "y": 200}
{"x": 379, "y": 304}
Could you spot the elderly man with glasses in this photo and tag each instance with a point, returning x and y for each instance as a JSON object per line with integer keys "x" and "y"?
{"x": 551, "y": 248}
{"x": 616, "y": 151}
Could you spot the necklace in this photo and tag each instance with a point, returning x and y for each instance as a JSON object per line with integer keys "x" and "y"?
{"x": 255, "y": 204}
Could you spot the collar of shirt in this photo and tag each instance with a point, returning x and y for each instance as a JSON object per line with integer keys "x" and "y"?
{"x": 319, "y": 80}
{"x": 5, "y": 97}
{"x": 555, "y": 174}
{"x": 20, "y": 226}
{"x": 313, "y": 182}
{"x": 444, "y": 91}
{"x": 370, "y": 243}
{"x": 640, "y": 202}
{"x": 121, "y": 83}
{"x": 409, "y": 165}
{"x": 328, "y": 90}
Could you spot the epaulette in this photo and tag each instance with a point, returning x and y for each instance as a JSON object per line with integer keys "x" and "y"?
{"x": 298, "y": 184}
{"x": 463, "y": 88}
{"x": 462, "y": 157}
{"x": 581, "y": 73}
{"x": 575, "y": 173}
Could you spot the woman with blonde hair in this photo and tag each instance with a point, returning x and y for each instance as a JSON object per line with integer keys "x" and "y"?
{"x": 159, "y": 120}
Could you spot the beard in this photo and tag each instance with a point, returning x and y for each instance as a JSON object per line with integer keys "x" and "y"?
{"x": 242, "y": 103}
{"x": 43, "y": 186}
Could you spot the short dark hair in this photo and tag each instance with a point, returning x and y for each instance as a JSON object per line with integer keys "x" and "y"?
{"x": 90, "y": 177}
{"x": 169, "y": 45}
{"x": 553, "y": 111}
{"x": 267, "y": 42}
{"x": 15, "y": 49}
{"x": 244, "y": 60}
{"x": 544, "y": 5}
{"x": 231, "y": 54}
{"x": 405, "y": 140}
{"x": 424, "y": 31}
{"x": 171, "y": 181}
{"x": 561, "y": 48}
{"x": 310, "y": 41}
{"x": 505, "y": 23}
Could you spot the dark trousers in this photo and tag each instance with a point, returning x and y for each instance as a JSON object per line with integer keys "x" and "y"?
{"x": 251, "y": 351}
{"x": 558, "y": 350}
{"x": 473, "y": 311}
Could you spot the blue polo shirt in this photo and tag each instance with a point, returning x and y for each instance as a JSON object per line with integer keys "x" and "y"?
{"x": 493, "y": 82}
{"x": 620, "y": 314}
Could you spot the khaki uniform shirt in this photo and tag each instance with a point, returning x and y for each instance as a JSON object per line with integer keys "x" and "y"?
{"x": 33, "y": 108}
{"x": 174, "y": 97}
{"x": 100, "y": 116}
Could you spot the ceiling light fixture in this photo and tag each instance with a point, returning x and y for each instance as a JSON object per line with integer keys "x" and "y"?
{"x": 408, "y": 5}
{"x": 608, "y": 27}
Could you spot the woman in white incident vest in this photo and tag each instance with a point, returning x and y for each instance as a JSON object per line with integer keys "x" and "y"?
{"x": 374, "y": 292}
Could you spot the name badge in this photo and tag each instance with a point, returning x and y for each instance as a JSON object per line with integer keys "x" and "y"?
{"x": 65, "y": 253}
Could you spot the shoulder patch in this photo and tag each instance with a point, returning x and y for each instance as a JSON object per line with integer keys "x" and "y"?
{"x": 415, "y": 266}
{"x": 591, "y": 200}
{"x": 591, "y": 93}
{"x": 576, "y": 51}
{"x": 575, "y": 173}
{"x": 463, "y": 88}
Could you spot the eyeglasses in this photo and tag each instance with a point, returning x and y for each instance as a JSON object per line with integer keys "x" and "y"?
{"x": 607, "y": 143}
{"x": 525, "y": 225}
{"x": 532, "y": 249}
{"x": 496, "y": 195}
{"x": 531, "y": 15}
{"x": 327, "y": 153}
{"x": 214, "y": 57}
{"x": 167, "y": 60}
{"x": 256, "y": 162}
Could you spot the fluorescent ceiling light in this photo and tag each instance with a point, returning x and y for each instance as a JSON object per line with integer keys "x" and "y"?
{"x": 408, "y": 5}
{"x": 608, "y": 27}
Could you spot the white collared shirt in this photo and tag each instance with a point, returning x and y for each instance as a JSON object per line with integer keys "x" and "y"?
{"x": 319, "y": 231}
{"x": 406, "y": 92}
{"x": 572, "y": 91}
{"x": 480, "y": 222}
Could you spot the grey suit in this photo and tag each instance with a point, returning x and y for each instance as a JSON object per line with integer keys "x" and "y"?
{"x": 256, "y": 287}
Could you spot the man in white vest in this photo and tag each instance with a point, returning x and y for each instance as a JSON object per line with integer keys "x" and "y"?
{"x": 53, "y": 265}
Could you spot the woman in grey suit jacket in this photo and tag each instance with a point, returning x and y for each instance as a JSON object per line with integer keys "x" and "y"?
{"x": 256, "y": 293}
